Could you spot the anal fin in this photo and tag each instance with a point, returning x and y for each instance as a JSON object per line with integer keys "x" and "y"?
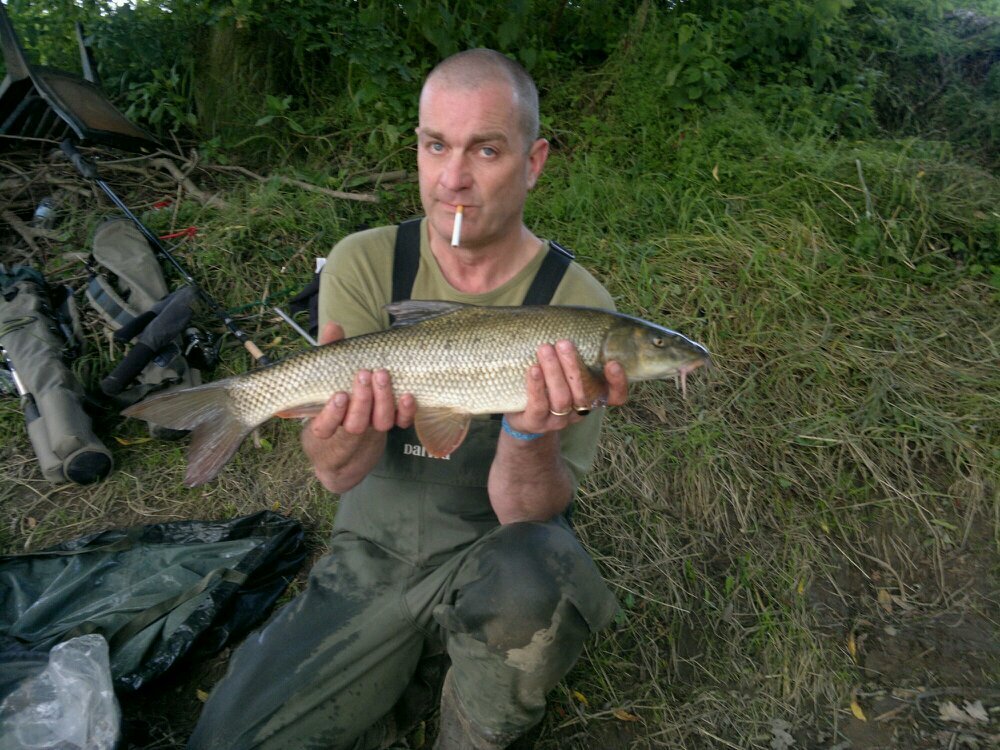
{"x": 306, "y": 410}
{"x": 441, "y": 431}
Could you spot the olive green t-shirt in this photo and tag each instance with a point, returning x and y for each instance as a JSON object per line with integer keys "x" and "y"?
{"x": 356, "y": 283}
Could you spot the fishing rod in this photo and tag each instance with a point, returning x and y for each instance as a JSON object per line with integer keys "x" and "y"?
{"x": 89, "y": 171}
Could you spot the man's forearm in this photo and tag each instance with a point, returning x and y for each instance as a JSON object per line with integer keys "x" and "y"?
{"x": 529, "y": 481}
{"x": 344, "y": 459}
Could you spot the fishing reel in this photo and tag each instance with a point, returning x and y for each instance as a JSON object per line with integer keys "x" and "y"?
{"x": 201, "y": 349}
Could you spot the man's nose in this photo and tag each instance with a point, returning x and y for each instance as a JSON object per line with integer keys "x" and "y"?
{"x": 455, "y": 175}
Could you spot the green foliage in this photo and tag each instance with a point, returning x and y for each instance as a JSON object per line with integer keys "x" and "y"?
{"x": 937, "y": 66}
{"x": 144, "y": 56}
{"x": 842, "y": 67}
{"x": 164, "y": 101}
{"x": 360, "y": 65}
{"x": 46, "y": 30}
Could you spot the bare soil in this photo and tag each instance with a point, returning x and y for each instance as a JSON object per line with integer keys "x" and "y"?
{"x": 926, "y": 645}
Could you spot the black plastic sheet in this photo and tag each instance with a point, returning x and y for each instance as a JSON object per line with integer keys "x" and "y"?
{"x": 158, "y": 594}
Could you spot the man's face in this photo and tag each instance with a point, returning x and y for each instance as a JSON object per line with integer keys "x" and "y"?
{"x": 471, "y": 152}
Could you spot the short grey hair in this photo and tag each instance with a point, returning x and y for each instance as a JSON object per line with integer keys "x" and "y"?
{"x": 475, "y": 67}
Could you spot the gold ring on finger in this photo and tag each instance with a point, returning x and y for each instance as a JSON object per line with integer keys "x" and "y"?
{"x": 559, "y": 413}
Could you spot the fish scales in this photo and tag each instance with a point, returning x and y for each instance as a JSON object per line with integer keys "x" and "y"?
{"x": 467, "y": 360}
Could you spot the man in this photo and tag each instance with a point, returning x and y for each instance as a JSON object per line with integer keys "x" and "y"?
{"x": 466, "y": 563}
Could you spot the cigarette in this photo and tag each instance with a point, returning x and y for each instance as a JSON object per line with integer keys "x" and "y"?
{"x": 456, "y": 233}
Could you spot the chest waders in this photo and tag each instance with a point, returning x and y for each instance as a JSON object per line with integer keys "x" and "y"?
{"x": 416, "y": 505}
{"x": 421, "y": 579}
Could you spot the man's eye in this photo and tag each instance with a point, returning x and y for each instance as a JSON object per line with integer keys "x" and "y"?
{"x": 435, "y": 148}
{"x": 488, "y": 151}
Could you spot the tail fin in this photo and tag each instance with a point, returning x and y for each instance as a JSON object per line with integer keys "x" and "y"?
{"x": 216, "y": 432}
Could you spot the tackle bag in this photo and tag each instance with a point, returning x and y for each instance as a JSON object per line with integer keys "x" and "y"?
{"x": 157, "y": 594}
{"x": 52, "y": 398}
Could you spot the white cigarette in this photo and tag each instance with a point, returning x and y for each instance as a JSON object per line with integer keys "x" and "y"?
{"x": 456, "y": 233}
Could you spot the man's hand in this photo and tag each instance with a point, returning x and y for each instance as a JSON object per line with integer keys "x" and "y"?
{"x": 370, "y": 404}
{"x": 345, "y": 440}
{"x": 556, "y": 391}
{"x": 529, "y": 480}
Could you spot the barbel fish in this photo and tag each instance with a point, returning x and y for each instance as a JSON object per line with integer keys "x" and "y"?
{"x": 457, "y": 361}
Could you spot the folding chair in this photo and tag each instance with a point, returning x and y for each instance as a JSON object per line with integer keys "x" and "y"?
{"x": 43, "y": 102}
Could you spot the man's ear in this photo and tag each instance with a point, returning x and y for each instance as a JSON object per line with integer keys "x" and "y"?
{"x": 536, "y": 160}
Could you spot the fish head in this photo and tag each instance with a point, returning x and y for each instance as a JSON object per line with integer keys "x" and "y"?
{"x": 651, "y": 352}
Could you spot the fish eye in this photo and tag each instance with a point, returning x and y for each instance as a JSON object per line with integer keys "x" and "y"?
{"x": 658, "y": 342}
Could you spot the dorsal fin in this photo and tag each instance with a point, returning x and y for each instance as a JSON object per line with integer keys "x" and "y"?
{"x": 413, "y": 310}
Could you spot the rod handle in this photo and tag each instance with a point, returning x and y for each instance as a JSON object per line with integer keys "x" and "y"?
{"x": 256, "y": 353}
{"x": 127, "y": 370}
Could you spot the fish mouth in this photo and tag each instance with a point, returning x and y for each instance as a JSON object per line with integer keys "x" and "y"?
{"x": 680, "y": 377}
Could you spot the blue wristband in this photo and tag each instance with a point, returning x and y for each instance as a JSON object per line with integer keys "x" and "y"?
{"x": 526, "y": 436}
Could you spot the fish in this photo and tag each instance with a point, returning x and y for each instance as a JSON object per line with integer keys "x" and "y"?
{"x": 457, "y": 360}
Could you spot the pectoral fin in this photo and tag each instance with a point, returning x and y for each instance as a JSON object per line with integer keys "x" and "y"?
{"x": 441, "y": 431}
{"x": 595, "y": 387}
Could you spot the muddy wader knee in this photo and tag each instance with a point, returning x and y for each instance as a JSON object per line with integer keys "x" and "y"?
{"x": 526, "y": 600}
{"x": 52, "y": 398}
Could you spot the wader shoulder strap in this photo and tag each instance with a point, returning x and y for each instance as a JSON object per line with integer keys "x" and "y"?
{"x": 406, "y": 260}
{"x": 549, "y": 276}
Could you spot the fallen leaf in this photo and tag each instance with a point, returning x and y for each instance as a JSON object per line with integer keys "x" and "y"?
{"x": 622, "y": 715}
{"x": 852, "y": 646}
{"x": 132, "y": 441}
{"x": 885, "y": 600}
{"x": 201, "y": 695}
{"x": 581, "y": 697}
{"x": 948, "y": 711}
{"x": 856, "y": 710}
{"x": 715, "y": 172}
{"x": 976, "y": 711}
{"x": 970, "y": 713}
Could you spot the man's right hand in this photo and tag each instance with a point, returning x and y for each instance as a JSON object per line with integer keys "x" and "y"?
{"x": 346, "y": 439}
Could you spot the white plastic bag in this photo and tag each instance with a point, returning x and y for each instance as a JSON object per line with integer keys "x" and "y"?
{"x": 70, "y": 705}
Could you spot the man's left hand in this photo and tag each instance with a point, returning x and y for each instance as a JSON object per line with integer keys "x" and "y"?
{"x": 556, "y": 391}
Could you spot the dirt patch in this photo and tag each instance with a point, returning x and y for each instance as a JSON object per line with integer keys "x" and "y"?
{"x": 924, "y": 637}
